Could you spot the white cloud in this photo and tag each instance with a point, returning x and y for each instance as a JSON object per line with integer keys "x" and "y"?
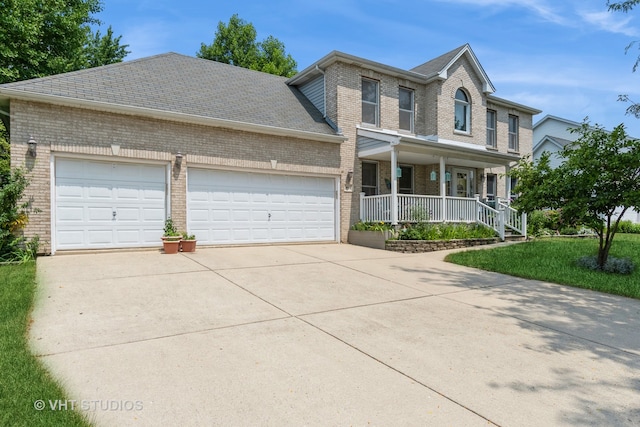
{"x": 542, "y": 8}
{"x": 608, "y": 21}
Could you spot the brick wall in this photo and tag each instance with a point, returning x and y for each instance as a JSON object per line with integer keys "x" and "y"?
{"x": 63, "y": 130}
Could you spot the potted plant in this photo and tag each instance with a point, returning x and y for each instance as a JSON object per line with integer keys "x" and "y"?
{"x": 188, "y": 242}
{"x": 171, "y": 238}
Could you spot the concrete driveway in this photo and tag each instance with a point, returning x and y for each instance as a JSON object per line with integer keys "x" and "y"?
{"x": 330, "y": 335}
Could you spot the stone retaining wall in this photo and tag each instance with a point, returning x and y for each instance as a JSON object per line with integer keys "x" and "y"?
{"x": 416, "y": 246}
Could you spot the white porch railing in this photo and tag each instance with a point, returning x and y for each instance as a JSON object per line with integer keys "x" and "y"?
{"x": 418, "y": 208}
{"x": 513, "y": 220}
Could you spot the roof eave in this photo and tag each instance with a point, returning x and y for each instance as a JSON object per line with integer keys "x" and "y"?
{"x": 510, "y": 104}
{"x": 169, "y": 115}
{"x": 336, "y": 56}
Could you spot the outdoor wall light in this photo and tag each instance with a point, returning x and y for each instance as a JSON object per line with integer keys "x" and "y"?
{"x": 434, "y": 176}
{"x": 447, "y": 176}
{"x": 179, "y": 157}
{"x": 349, "y": 178}
{"x": 32, "y": 146}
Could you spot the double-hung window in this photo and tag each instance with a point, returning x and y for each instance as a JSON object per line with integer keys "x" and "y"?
{"x": 492, "y": 123}
{"x": 369, "y": 178}
{"x": 370, "y": 102}
{"x": 406, "y": 103}
{"x": 513, "y": 133}
{"x": 492, "y": 186}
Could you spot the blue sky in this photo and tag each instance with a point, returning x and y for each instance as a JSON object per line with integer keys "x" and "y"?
{"x": 566, "y": 58}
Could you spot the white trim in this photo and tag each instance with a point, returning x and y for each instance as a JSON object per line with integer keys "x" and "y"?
{"x": 335, "y": 177}
{"x": 52, "y": 201}
{"x": 99, "y": 158}
{"x": 171, "y": 115}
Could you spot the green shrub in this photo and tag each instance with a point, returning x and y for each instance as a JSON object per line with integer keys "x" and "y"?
{"x": 14, "y": 216}
{"x": 372, "y": 226}
{"x": 627, "y": 226}
{"x": 445, "y": 231}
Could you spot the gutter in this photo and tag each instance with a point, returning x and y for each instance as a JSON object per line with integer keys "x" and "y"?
{"x": 169, "y": 115}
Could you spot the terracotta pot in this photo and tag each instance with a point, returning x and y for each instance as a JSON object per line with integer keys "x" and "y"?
{"x": 171, "y": 246}
{"x": 188, "y": 245}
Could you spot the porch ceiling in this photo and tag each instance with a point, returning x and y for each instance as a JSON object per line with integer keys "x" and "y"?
{"x": 428, "y": 150}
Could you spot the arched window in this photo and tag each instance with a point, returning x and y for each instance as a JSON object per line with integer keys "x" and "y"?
{"x": 462, "y": 112}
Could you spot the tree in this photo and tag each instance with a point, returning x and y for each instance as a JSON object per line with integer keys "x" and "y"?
{"x": 235, "y": 43}
{"x": 625, "y": 7}
{"x": 600, "y": 174}
{"x": 104, "y": 50}
{"x": 40, "y": 38}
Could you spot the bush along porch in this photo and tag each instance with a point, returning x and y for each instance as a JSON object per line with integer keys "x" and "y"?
{"x": 421, "y": 237}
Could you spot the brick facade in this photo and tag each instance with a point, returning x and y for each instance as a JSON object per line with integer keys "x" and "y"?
{"x": 62, "y": 131}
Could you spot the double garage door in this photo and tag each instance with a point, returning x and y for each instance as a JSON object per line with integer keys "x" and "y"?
{"x": 115, "y": 204}
{"x": 240, "y": 207}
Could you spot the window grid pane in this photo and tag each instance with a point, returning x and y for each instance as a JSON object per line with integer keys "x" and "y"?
{"x": 462, "y": 116}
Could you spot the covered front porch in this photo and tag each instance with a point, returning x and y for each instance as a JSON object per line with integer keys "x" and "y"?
{"x": 454, "y": 173}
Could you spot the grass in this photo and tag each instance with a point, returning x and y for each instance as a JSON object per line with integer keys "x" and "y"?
{"x": 554, "y": 260}
{"x": 24, "y": 380}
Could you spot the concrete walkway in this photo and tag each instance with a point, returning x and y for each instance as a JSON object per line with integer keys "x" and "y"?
{"x": 330, "y": 335}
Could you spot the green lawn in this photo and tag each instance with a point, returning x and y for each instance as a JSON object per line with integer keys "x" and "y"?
{"x": 23, "y": 380}
{"x": 554, "y": 260}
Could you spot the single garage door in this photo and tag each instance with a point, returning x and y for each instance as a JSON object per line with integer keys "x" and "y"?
{"x": 242, "y": 207}
{"x": 108, "y": 204}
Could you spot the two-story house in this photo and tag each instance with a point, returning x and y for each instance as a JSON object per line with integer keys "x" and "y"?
{"x": 237, "y": 156}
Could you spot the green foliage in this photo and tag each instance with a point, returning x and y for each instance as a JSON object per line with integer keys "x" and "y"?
{"x": 372, "y": 226}
{"x": 5, "y": 155}
{"x": 170, "y": 229}
{"x": 628, "y": 227}
{"x": 103, "y": 50}
{"x": 42, "y": 38}
{"x": 445, "y": 231}
{"x": 601, "y": 172}
{"x": 235, "y": 43}
{"x": 14, "y": 215}
{"x": 24, "y": 379}
{"x": 187, "y": 236}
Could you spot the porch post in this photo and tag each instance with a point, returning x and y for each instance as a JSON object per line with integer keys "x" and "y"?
{"x": 507, "y": 178}
{"x": 443, "y": 189}
{"x": 394, "y": 186}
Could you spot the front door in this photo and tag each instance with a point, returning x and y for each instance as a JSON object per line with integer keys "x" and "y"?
{"x": 462, "y": 183}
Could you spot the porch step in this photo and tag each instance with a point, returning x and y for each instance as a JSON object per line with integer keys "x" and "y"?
{"x": 510, "y": 237}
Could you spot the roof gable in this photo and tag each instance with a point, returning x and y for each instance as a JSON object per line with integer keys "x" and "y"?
{"x": 440, "y": 66}
{"x": 185, "y": 86}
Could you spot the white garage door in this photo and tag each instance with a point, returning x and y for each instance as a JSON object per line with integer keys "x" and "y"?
{"x": 108, "y": 204}
{"x": 241, "y": 207}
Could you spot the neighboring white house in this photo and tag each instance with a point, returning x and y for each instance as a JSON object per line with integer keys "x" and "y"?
{"x": 551, "y": 134}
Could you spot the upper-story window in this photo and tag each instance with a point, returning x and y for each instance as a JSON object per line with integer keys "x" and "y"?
{"x": 513, "y": 133}
{"x": 462, "y": 112}
{"x": 406, "y": 103}
{"x": 370, "y": 102}
{"x": 492, "y": 123}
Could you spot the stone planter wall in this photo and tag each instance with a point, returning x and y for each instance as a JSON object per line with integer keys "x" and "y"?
{"x": 370, "y": 239}
{"x": 416, "y": 246}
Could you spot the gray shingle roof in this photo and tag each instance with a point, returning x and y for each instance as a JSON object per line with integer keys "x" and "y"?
{"x": 178, "y": 83}
{"x": 436, "y": 65}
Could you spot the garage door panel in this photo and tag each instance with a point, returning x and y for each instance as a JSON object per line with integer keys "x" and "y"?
{"x": 89, "y": 192}
{"x": 245, "y": 207}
